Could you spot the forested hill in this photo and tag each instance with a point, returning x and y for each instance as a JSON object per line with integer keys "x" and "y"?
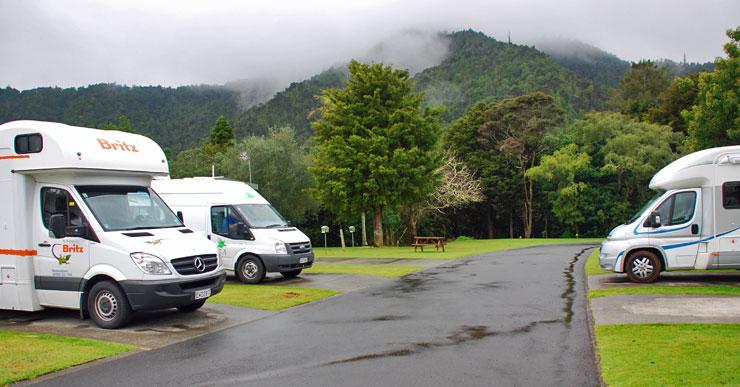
{"x": 477, "y": 68}
{"x": 174, "y": 117}
{"x": 585, "y": 60}
{"x": 480, "y": 68}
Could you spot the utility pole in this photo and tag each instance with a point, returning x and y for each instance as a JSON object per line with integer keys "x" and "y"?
{"x": 364, "y": 232}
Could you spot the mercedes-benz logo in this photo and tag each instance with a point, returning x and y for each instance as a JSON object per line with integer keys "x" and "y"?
{"x": 199, "y": 264}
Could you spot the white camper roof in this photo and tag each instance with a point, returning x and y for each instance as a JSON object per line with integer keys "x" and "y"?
{"x": 200, "y": 190}
{"x": 80, "y": 149}
{"x": 694, "y": 170}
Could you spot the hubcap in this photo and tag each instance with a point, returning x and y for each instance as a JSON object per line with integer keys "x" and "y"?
{"x": 106, "y": 305}
{"x": 250, "y": 269}
{"x": 642, "y": 267}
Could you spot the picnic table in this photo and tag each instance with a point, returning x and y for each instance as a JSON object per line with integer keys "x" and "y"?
{"x": 437, "y": 242}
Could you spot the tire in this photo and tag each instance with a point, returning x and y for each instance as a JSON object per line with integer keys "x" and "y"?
{"x": 250, "y": 270}
{"x": 643, "y": 267}
{"x": 192, "y": 307}
{"x": 291, "y": 274}
{"x": 108, "y": 305}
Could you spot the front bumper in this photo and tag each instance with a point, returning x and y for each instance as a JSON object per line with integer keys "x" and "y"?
{"x": 609, "y": 257}
{"x": 286, "y": 262}
{"x": 164, "y": 294}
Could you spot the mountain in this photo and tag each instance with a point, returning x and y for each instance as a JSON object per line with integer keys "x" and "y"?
{"x": 290, "y": 106}
{"x": 476, "y": 68}
{"x": 174, "y": 117}
{"x": 585, "y": 60}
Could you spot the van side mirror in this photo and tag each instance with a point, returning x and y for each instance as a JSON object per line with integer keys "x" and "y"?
{"x": 655, "y": 220}
{"x": 180, "y": 216}
{"x": 289, "y": 223}
{"x": 76, "y": 231}
{"x": 58, "y": 225}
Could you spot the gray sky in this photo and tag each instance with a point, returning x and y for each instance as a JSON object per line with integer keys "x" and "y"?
{"x": 181, "y": 42}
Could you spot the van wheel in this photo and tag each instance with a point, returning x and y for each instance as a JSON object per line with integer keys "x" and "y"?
{"x": 643, "y": 267}
{"x": 191, "y": 307}
{"x": 291, "y": 274}
{"x": 108, "y": 305}
{"x": 250, "y": 270}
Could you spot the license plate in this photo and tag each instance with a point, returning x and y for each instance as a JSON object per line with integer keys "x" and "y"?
{"x": 303, "y": 260}
{"x": 203, "y": 293}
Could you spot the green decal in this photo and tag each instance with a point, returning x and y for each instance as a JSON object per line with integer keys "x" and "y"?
{"x": 250, "y": 195}
{"x": 64, "y": 259}
{"x": 154, "y": 241}
{"x": 221, "y": 244}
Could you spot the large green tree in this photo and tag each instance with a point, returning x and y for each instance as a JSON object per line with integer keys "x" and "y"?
{"x": 715, "y": 119}
{"x": 374, "y": 144}
{"x": 222, "y": 133}
{"x": 515, "y": 129}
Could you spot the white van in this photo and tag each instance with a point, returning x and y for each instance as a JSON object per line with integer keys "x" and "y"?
{"x": 252, "y": 237}
{"x": 692, "y": 223}
{"x": 80, "y": 227}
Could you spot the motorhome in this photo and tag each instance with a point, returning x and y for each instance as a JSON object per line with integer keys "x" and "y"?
{"x": 80, "y": 227}
{"x": 252, "y": 237}
{"x": 693, "y": 222}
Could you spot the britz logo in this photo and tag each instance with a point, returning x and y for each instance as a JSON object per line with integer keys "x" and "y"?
{"x": 64, "y": 252}
{"x": 116, "y": 145}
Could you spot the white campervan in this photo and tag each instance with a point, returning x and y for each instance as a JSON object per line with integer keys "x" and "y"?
{"x": 692, "y": 223}
{"x": 252, "y": 237}
{"x": 81, "y": 229}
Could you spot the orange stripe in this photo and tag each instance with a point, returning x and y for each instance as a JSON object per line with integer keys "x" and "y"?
{"x": 22, "y": 253}
{"x": 15, "y": 157}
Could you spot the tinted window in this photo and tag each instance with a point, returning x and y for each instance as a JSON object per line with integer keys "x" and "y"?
{"x": 28, "y": 143}
{"x": 731, "y": 195}
{"x": 120, "y": 208}
{"x": 224, "y": 220}
{"x": 677, "y": 209}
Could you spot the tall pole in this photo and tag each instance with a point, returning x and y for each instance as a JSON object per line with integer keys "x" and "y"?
{"x": 364, "y": 233}
{"x": 249, "y": 163}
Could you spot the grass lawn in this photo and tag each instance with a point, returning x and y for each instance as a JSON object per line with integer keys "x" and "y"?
{"x": 389, "y": 271}
{"x": 714, "y": 290}
{"x": 669, "y": 354}
{"x": 592, "y": 265}
{"x": 269, "y": 297}
{"x": 453, "y": 250}
{"x": 29, "y": 355}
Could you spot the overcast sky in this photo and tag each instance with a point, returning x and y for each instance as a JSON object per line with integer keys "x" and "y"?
{"x": 182, "y": 42}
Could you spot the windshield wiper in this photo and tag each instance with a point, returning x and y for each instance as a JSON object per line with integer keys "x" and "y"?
{"x": 275, "y": 225}
{"x": 148, "y": 227}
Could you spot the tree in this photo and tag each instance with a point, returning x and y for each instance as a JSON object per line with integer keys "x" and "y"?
{"x": 374, "y": 144}
{"x": 222, "y": 134}
{"x": 516, "y": 128}
{"x": 458, "y": 187}
{"x": 279, "y": 167}
{"x": 561, "y": 169}
{"x": 640, "y": 89}
{"x": 715, "y": 119}
{"x": 677, "y": 98}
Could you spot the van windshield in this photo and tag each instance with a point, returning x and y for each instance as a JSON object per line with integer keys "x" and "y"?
{"x": 119, "y": 208}
{"x": 261, "y": 215}
{"x": 646, "y": 206}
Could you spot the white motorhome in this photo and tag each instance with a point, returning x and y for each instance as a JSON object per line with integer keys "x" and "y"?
{"x": 80, "y": 227}
{"x": 692, "y": 223}
{"x": 252, "y": 237}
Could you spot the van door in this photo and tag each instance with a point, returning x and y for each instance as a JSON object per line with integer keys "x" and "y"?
{"x": 223, "y": 231}
{"x": 680, "y": 228}
{"x": 62, "y": 257}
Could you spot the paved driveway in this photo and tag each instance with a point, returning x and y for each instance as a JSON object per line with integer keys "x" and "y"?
{"x": 508, "y": 318}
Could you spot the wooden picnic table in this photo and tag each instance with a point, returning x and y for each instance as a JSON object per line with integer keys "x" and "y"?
{"x": 437, "y": 242}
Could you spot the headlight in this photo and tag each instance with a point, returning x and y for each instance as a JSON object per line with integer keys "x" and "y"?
{"x": 280, "y": 247}
{"x": 150, "y": 264}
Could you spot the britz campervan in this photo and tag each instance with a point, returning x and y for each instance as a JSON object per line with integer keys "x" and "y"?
{"x": 692, "y": 223}
{"x": 80, "y": 227}
{"x": 252, "y": 237}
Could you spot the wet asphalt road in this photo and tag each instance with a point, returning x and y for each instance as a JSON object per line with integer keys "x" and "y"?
{"x": 510, "y": 318}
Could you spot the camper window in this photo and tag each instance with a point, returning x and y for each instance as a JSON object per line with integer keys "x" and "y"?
{"x": 56, "y": 201}
{"x": 28, "y": 143}
{"x": 677, "y": 209}
{"x": 731, "y": 195}
{"x": 120, "y": 208}
{"x": 225, "y": 221}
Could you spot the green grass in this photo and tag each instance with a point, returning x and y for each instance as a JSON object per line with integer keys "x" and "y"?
{"x": 453, "y": 250}
{"x": 389, "y": 271}
{"x": 712, "y": 290}
{"x": 592, "y": 265}
{"x": 269, "y": 297}
{"x": 29, "y": 355}
{"x": 669, "y": 354}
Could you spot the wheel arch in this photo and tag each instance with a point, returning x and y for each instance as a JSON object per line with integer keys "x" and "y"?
{"x": 655, "y": 250}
